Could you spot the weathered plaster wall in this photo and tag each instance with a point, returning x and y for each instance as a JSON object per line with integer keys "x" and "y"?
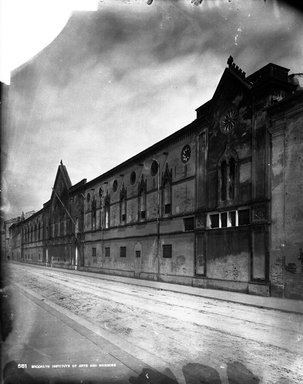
{"x": 228, "y": 254}
{"x": 287, "y": 207}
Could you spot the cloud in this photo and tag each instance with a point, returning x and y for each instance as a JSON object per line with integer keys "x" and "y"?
{"x": 116, "y": 81}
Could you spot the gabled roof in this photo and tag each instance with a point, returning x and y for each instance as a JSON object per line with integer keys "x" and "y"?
{"x": 230, "y": 75}
{"x": 65, "y": 174}
{"x": 62, "y": 172}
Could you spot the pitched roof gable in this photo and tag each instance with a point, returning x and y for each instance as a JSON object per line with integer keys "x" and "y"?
{"x": 230, "y": 76}
{"x": 62, "y": 177}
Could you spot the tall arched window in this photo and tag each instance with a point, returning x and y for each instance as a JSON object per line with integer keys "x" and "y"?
{"x": 223, "y": 171}
{"x": 107, "y": 211}
{"x": 232, "y": 178}
{"x": 123, "y": 194}
{"x": 142, "y": 199}
{"x": 167, "y": 191}
{"x": 227, "y": 173}
{"x": 94, "y": 213}
{"x": 49, "y": 233}
{"x": 100, "y": 221}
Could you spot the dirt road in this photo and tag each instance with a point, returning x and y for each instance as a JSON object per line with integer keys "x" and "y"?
{"x": 195, "y": 338}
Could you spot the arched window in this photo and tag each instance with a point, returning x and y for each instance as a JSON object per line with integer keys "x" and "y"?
{"x": 167, "y": 191}
{"x": 223, "y": 180}
{"x": 62, "y": 221}
{"x": 94, "y": 213}
{"x": 167, "y": 198}
{"x": 123, "y": 205}
{"x": 232, "y": 178}
{"x": 142, "y": 199}
{"x": 227, "y": 174}
{"x": 107, "y": 211}
{"x": 101, "y": 215}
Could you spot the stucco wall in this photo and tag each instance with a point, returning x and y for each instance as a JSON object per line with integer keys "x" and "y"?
{"x": 287, "y": 206}
{"x": 228, "y": 254}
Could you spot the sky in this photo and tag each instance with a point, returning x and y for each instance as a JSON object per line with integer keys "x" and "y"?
{"x": 103, "y": 85}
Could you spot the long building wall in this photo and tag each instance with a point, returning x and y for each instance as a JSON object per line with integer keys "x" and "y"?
{"x": 216, "y": 204}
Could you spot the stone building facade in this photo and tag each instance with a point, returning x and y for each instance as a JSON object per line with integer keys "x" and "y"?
{"x": 218, "y": 204}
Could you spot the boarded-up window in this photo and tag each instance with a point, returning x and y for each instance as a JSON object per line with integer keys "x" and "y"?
{"x": 243, "y": 217}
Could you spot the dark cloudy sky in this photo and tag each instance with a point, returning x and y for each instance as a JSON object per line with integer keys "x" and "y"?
{"x": 118, "y": 80}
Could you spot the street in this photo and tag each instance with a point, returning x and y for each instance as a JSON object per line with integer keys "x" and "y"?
{"x": 187, "y": 338}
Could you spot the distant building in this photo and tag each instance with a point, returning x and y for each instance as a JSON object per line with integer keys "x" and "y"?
{"x": 217, "y": 204}
{"x": 8, "y": 236}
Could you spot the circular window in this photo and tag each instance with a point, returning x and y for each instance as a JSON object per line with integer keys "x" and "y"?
{"x": 88, "y": 197}
{"x": 154, "y": 168}
{"x": 185, "y": 153}
{"x": 229, "y": 121}
{"x": 133, "y": 177}
{"x": 115, "y": 185}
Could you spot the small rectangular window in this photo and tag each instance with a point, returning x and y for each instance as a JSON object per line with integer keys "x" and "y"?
{"x": 214, "y": 220}
{"x": 232, "y": 218}
{"x": 122, "y": 251}
{"x": 138, "y": 253}
{"x": 223, "y": 219}
{"x": 243, "y": 217}
{"x": 94, "y": 252}
{"x": 142, "y": 213}
{"x": 167, "y": 251}
{"x": 123, "y": 218}
{"x": 189, "y": 224}
{"x": 167, "y": 208}
{"x": 107, "y": 251}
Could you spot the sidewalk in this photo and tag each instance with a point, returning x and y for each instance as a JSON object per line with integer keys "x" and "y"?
{"x": 48, "y": 344}
{"x": 285, "y": 305}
